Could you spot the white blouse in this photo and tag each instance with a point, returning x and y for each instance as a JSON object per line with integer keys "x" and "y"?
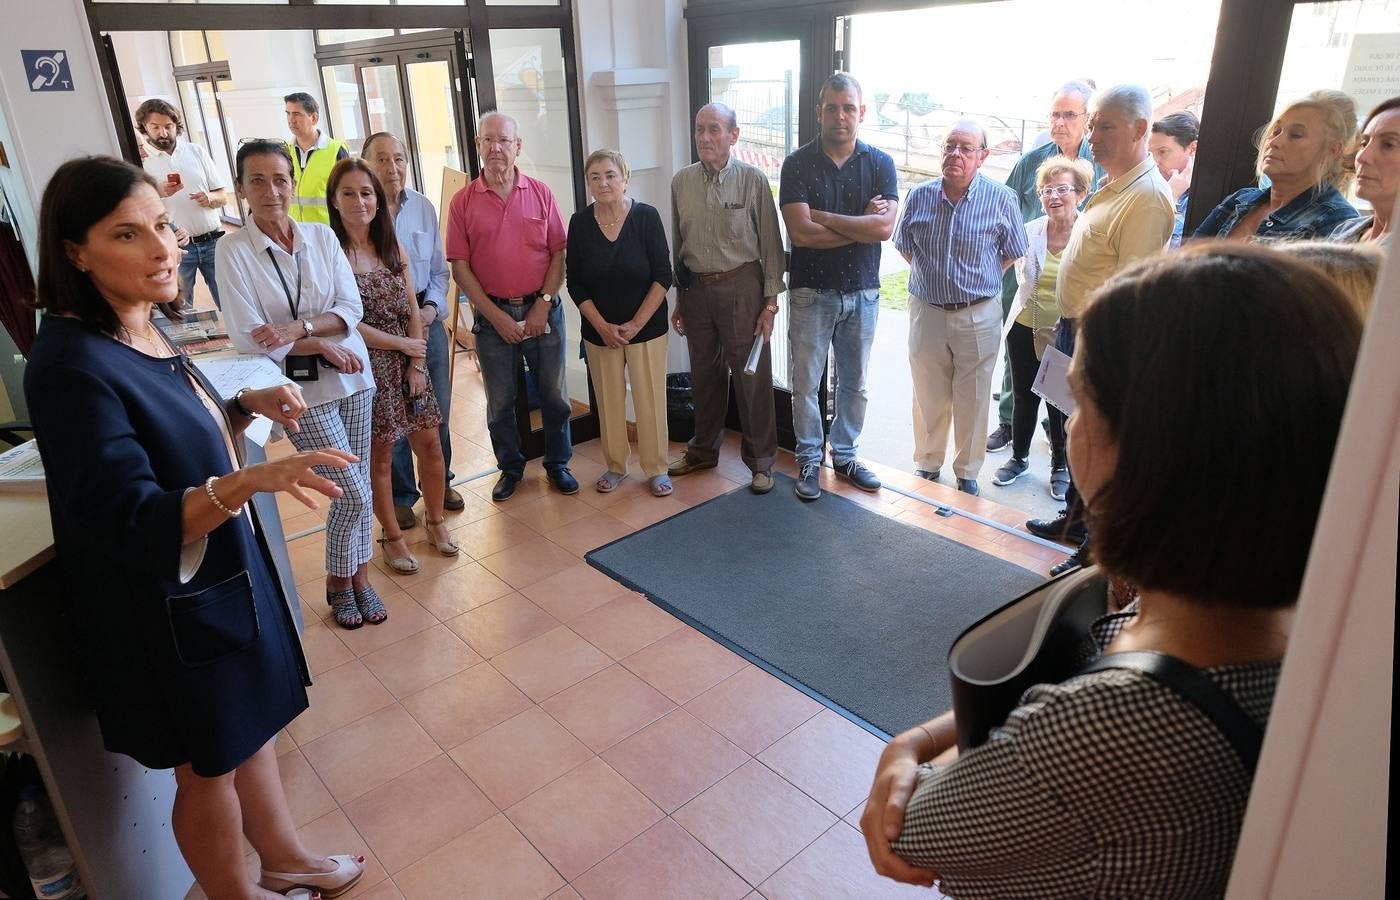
{"x": 252, "y": 294}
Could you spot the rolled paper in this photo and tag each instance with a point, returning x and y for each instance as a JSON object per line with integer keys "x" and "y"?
{"x": 751, "y": 366}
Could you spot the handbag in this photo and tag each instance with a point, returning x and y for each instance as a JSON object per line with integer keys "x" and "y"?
{"x": 1041, "y": 637}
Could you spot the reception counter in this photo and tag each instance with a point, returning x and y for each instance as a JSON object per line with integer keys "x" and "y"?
{"x": 115, "y": 812}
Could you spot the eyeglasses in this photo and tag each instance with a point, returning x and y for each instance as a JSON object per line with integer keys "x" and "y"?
{"x": 964, "y": 149}
{"x": 496, "y": 142}
{"x": 1058, "y": 190}
{"x": 1067, "y": 116}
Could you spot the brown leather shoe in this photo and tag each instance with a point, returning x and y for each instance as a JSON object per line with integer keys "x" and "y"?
{"x": 452, "y": 501}
{"x": 762, "y": 483}
{"x": 405, "y": 516}
{"x": 685, "y": 465}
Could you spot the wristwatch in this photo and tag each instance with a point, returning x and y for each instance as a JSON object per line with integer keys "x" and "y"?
{"x": 238, "y": 403}
{"x": 308, "y": 327}
{"x": 772, "y": 308}
{"x": 551, "y": 299}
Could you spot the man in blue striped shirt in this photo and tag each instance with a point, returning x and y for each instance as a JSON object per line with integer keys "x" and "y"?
{"x": 960, "y": 232}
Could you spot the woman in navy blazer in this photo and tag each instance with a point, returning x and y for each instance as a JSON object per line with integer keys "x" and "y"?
{"x": 193, "y": 655}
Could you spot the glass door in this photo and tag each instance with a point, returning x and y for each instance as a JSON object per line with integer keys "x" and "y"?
{"x": 409, "y": 92}
{"x": 766, "y": 84}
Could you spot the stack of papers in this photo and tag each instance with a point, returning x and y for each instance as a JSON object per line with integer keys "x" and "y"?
{"x": 21, "y": 468}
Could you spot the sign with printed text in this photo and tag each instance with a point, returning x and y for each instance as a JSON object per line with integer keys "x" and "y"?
{"x": 1373, "y": 70}
{"x": 47, "y": 70}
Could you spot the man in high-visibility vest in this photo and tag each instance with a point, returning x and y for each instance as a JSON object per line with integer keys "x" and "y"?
{"x": 313, "y": 157}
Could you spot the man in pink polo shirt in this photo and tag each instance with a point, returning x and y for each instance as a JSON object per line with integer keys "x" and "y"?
{"x": 505, "y": 241}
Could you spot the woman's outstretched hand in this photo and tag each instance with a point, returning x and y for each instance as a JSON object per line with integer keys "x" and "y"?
{"x": 294, "y": 474}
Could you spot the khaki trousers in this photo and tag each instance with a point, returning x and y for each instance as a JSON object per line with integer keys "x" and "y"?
{"x": 951, "y": 356}
{"x": 644, "y": 366}
{"x": 719, "y": 320}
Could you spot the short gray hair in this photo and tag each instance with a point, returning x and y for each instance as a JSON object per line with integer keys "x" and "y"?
{"x": 724, "y": 111}
{"x": 1082, "y": 88}
{"x": 497, "y": 114}
{"x": 1133, "y": 100}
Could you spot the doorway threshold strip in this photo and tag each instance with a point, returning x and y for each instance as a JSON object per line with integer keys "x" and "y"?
{"x": 322, "y": 527}
{"x": 944, "y": 509}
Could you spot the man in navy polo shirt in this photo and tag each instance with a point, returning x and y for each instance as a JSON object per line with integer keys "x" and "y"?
{"x": 839, "y": 198}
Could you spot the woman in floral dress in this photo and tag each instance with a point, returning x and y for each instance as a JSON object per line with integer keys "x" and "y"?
{"x": 403, "y": 402}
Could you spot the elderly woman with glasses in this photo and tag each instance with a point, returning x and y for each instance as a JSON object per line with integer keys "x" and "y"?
{"x": 289, "y": 294}
{"x": 1064, "y": 183}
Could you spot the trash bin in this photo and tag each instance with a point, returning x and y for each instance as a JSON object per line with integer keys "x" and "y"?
{"x": 680, "y": 407}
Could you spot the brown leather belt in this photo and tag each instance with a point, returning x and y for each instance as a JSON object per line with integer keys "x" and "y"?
{"x": 717, "y": 277}
{"x": 953, "y": 307}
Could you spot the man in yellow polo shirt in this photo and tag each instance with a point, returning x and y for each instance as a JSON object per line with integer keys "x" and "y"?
{"x": 1129, "y": 218}
{"x": 313, "y": 157}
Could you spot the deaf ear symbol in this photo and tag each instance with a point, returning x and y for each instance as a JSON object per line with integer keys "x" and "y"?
{"x": 51, "y": 63}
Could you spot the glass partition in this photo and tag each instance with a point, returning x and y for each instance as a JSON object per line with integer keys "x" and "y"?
{"x": 530, "y": 87}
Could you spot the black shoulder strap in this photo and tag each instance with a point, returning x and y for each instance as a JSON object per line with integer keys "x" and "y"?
{"x": 1193, "y": 686}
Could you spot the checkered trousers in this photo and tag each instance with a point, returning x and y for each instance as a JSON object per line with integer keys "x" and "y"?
{"x": 1107, "y": 785}
{"x": 344, "y": 425}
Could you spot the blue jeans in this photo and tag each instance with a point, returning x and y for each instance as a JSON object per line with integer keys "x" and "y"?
{"x": 405, "y": 485}
{"x": 198, "y": 257}
{"x": 499, "y": 362}
{"x": 844, "y": 322}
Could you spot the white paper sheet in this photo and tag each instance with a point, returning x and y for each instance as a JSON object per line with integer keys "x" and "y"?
{"x": 230, "y": 374}
{"x": 1052, "y": 381}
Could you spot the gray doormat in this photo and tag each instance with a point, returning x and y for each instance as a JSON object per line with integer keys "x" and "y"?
{"x": 855, "y": 609}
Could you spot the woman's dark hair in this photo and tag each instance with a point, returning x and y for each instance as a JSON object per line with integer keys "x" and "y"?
{"x": 381, "y": 227}
{"x": 1349, "y": 161}
{"x": 1182, "y": 127}
{"x": 1221, "y": 373}
{"x": 79, "y": 195}
{"x": 261, "y": 147}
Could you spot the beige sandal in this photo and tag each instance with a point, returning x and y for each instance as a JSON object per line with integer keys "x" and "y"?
{"x": 404, "y": 565}
{"x": 348, "y": 870}
{"x": 446, "y": 548}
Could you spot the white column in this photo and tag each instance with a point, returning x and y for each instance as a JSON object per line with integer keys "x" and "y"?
{"x": 632, "y": 66}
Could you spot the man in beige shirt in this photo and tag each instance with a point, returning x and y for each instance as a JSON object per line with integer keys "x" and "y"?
{"x": 1128, "y": 218}
{"x": 729, "y": 268}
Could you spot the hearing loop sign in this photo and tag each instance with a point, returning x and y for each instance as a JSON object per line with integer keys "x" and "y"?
{"x": 47, "y": 70}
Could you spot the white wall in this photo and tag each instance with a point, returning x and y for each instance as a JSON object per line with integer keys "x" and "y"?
{"x": 1316, "y": 824}
{"x": 632, "y": 71}
{"x": 51, "y": 127}
{"x": 144, "y": 60}
{"x": 42, "y": 130}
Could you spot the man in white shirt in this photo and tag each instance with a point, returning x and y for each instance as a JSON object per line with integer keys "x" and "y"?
{"x": 193, "y": 190}
{"x": 416, "y": 224}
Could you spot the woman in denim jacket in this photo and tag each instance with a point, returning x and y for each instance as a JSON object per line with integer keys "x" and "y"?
{"x": 1301, "y": 154}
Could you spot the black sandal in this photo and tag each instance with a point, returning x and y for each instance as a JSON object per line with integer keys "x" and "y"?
{"x": 344, "y": 609}
{"x": 370, "y": 606}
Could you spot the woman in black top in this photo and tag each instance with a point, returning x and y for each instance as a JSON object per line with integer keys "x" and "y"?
{"x": 619, "y": 269}
{"x": 190, "y": 647}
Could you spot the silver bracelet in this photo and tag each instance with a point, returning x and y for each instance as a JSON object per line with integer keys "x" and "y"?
{"x": 420, "y": 368}
{"x": 214, "y": 499}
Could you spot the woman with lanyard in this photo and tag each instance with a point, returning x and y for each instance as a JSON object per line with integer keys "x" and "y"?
{"x": 289, "y": 294}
